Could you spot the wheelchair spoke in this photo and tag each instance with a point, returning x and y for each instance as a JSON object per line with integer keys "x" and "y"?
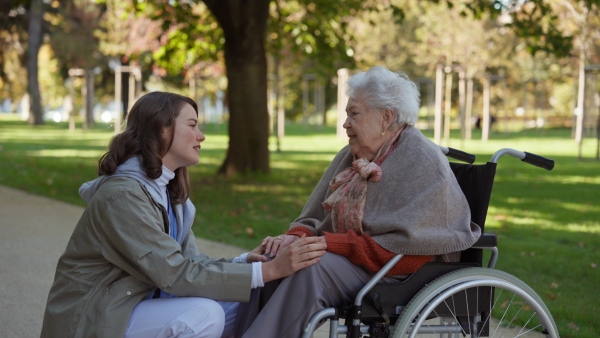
{"x": 453, "y": 312}
{"x": 468, "y": 317}
{"x": 504, "y": 314}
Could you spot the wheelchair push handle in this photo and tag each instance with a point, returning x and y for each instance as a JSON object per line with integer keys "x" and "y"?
{"x": 536, "y": 160}
{"x": 458, "y": 154}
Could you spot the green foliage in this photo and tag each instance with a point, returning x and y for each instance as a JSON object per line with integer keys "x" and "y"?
{"x": 317, "y": 32}
{"x": 301, "y": 32}
{"x": 532, "y": 20}
{"x": 191, "y": 34}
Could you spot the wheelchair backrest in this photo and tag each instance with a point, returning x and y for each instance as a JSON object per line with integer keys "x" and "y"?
{"x": 476, "y": 182}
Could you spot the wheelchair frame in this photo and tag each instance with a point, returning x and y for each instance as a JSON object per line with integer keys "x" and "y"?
{"x": 434, "y": 291}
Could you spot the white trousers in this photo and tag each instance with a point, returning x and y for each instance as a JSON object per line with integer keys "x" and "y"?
{"x": 181, "y": 317}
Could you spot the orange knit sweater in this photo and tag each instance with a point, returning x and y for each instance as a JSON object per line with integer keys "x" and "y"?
{"x": 362, "y": 250}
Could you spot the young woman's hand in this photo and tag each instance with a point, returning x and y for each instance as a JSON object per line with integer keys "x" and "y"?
{"x": 273, "y": 245}
{"x": 256, "y": 255}
{"x": 302, "y": 253}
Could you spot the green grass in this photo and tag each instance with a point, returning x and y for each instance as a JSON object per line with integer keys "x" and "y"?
{"x": 548, "y": 223}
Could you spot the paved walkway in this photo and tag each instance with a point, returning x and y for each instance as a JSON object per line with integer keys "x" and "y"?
{"x": 34, "y": 232}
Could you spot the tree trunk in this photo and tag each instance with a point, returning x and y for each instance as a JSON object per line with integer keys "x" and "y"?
{"x": 244, "y": 24}
{"x": 36, "y": 114}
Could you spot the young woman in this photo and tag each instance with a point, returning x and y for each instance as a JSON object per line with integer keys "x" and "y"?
{"x": 132, "y": 267}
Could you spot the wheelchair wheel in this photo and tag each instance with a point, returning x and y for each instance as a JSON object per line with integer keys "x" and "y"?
{"x": 476, "y": 302}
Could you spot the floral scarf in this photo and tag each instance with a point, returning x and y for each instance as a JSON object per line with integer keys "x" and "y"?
{"x": 349, "y": 188}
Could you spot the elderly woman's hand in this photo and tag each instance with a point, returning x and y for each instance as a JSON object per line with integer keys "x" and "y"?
{"x": 273, "y": 245}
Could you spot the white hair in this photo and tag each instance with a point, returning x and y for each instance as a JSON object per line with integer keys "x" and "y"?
{"x": 383, "y": 89}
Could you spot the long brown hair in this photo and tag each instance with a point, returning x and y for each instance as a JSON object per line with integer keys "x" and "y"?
{"x": 150, "y": 114}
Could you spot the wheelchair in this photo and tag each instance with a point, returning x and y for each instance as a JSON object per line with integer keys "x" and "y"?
{"x": 461, "y": 299}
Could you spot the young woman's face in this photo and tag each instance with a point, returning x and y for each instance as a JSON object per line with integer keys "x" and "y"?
{"x": 185, "y": 148}
{"x": 364, "y": 127}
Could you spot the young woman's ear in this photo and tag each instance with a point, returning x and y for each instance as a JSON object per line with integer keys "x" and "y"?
{"x": 166, "y": 134}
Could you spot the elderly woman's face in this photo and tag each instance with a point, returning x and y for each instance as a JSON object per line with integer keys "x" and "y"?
{"x": 364, "y": 126}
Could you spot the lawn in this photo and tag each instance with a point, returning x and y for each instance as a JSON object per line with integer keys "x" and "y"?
{"x": 548, "y": 223}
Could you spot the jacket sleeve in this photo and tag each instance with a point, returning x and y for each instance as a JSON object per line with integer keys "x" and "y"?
{"x": 131, "y": 230}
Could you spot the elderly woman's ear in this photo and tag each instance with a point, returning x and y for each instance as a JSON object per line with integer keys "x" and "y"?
{"x": 387, "y": 120}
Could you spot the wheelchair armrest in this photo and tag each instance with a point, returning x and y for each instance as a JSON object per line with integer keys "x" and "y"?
{"x": 486, "y": 241}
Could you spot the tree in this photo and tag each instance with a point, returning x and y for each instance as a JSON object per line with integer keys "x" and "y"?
{"x": 23, "y": 23}
{"x": 34, "y": 30}
{"x": 13, "y": 39}
{"x": 244, "y": 25}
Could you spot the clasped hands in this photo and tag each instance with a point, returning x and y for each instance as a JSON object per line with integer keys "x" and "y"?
{"x": 288, "y": 254}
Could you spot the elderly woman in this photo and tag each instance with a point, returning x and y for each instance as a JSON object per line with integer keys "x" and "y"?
{"x": 390, "y": 191}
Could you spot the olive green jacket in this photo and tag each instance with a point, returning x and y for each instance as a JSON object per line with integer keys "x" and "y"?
{"x": 119, "y": 253}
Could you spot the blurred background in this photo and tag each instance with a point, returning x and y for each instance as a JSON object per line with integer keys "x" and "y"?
{"x": 502, "y": 65}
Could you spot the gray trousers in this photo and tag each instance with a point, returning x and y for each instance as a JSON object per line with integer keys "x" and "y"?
{"x": 283, "y": 308}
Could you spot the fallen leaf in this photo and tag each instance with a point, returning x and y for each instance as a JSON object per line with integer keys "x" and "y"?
{"x": 551, "y": 296}
{"x": 593, "y": 265}
{"x": 554, "y": 285}
{"x": 581, "y": 244}
{"x": 572, "y": 326}
{"x": 249, "y": 231}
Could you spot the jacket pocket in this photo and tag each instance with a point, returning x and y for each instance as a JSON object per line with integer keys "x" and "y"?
{"x": 110, "y": 307}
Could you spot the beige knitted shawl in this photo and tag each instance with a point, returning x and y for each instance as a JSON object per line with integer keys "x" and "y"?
{"x": 416, "y": 208}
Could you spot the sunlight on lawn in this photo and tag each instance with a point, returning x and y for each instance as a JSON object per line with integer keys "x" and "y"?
{"x": 251, "y": 188}
{"x": 502, "y": 217}
{"x": 204, "y": 159}
{"x": 585, "y": 228}
{"x": 578, "y": 207}
{"x": 574, "y": 179}
{"x": 65, "y": 153}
